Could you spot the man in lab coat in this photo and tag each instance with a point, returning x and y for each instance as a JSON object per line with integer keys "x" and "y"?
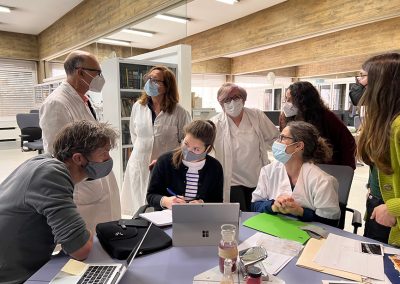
{"x": 97, "y": 200}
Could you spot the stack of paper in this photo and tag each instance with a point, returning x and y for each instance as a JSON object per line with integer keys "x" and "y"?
{"x": 159, "y": 218}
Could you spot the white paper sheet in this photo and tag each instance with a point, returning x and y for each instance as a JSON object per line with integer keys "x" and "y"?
{"x": 346, "y": 254}
{"x": 159, "y": 218}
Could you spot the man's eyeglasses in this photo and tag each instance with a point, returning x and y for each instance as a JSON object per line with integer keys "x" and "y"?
{"x": 234, "y": 98}
{"x": 90, "y": 69}
{"x": 282, "y": 137}
{"x": 154, "y": 80}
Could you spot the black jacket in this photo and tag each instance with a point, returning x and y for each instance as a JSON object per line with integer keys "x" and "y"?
{"x": 164, "y": 175}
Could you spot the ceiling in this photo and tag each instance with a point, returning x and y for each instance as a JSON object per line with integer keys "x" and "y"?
{"x": 32, "y": 17}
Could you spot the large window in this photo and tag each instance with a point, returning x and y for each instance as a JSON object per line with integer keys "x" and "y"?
{"x": 206, "y": 87}
{"x": 17, "y": 79}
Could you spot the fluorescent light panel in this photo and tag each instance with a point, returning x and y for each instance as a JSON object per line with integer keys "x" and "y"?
{"x": 138, "y": 32}
{"x": 228, "y": 1}
{"x": 5, "y": 9}
{"x": 176, "y": 19}
{"x": 115, "y": 42}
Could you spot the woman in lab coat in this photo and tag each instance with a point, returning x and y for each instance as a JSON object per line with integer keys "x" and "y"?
{"x": 156, "y": 127}
{"x": 244, "y": 136}
{"x": 293, "y": 184}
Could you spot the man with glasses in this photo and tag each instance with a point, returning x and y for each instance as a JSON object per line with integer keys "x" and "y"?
{"x": 97, "y": 200}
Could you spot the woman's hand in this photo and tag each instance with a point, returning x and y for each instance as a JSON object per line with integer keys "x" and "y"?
{"x": 167, "y": 201}
{"x": 382, "y": 216}
{"x": 197, "y": 201}
{"x": 285, "y": 204}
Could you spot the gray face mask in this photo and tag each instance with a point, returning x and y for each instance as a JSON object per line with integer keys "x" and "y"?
{"x": 189, "y": 156}
{"x": 96, "y": 170}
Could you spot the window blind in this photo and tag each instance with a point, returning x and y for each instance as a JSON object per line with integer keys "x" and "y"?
{"x": 17, "y": 78}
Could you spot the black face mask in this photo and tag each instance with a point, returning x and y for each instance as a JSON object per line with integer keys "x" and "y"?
{"x": 356, "y": 92}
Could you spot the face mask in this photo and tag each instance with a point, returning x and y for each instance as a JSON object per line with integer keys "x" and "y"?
{"x": 356, "y": 92}
{"x": 279, "y": 152}
{"x": 96, "y": 170}
{"x": 190, "y": 156}
{"x": 151, "y": 88}
{"x": 289, "y": 109}
{"x": 234, "y": 108}
{"x": 97, "y": 83}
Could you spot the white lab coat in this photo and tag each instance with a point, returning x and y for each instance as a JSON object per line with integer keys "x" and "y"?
{"x": 265, "y": 130}
{"x": 98, "y": 200}
{"x": 149, "y": 142}
{"x": 314, "y": 189}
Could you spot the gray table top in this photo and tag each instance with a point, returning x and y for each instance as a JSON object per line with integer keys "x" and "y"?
{"x": 181, "y": 264}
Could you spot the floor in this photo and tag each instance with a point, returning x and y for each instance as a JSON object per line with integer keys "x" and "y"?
{"x": 11, "y": 158}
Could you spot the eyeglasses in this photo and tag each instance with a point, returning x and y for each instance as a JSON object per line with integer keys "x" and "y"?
{"x": 234, "y": 98}
{"x": 281, "y": 137}
{"x": 154, "y": 80}
{"x": 359, "y": 76}
{"x": 90, "y": 69}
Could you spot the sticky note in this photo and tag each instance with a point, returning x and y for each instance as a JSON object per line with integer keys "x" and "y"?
{"x": 74, "y": 267}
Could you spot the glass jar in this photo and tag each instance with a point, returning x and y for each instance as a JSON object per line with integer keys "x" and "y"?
{"x": 254, "y": 275}
{"x": 227, "y": 248}
{"x": 227, "y": 278}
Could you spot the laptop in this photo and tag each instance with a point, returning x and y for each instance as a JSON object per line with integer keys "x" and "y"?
{"x": 200, "y": 224}
{"x": 104, "y": 272}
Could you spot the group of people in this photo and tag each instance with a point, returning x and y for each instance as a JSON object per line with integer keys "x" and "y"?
{"x": 60, "y": 196}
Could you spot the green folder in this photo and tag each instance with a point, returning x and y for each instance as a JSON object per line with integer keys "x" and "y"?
{"x": 278, "y": 226}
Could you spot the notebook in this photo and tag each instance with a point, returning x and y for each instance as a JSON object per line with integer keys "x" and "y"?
{"x": 104, "y": 272}
{"x": 158, "y": 218}
{"x": 200, "y": 224}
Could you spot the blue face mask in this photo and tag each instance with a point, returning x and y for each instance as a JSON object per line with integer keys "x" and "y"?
{"x": 96, "y": 170}
{"x": 279, "y": 152}
{"x": 189, "y": 156}
{"x": 151, "y": 88}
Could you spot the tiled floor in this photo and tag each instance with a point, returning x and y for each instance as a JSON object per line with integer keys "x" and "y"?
{"x": 11, "y": 158}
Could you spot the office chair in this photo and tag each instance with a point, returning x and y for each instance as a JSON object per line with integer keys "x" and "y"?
{"x": 34, "y": 111}
{"x": 344, "y": 176}
{"x": 31, "y": 133}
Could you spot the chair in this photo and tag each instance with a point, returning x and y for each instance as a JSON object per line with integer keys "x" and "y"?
{"x": 344, "y": 176}
{"x": 34, "y": 111}
{"x": 31, "y": 133}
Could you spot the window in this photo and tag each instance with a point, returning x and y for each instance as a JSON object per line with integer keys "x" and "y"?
{"x": 17, "y": 78}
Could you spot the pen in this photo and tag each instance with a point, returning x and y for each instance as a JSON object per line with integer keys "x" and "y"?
{"x": 174, "y": 194}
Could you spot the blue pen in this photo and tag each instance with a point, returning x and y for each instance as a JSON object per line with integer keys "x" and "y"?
{"x": 174, "y": 194}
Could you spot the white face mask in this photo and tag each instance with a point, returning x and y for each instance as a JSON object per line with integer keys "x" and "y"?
{"x": 234, "y": 108}
{"x": 289, "y": 109}
{"x": 97, "y": 83}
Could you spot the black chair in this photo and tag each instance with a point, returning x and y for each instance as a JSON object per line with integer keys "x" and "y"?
{"x": 31, "y": 133}
{"x": 344, "y": 176}
{"x": 34, "y": 111}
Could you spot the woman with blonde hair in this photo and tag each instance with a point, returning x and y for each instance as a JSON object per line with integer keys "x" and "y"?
{"x": 379, "y": 140}
{"x": 156, "y": 127}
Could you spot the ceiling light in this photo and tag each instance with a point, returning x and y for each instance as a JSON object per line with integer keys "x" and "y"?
{"x": 138, "y": 32}
{"x": 115, "y": 42}
{"x": 5, "y": 9}
{"x": 229, "y": 1}
{"x": 177, "y": 19}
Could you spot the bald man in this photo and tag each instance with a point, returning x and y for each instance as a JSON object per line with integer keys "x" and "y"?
{"x": 97, "y": 200}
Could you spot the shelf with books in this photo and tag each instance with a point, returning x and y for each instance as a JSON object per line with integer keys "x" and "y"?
{"x": 123, "y": 87}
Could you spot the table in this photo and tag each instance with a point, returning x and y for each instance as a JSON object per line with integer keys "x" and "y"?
{"x": 180, "y": 264}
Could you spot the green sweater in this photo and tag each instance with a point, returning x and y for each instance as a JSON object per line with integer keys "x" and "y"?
{"x": 390, "y": 184}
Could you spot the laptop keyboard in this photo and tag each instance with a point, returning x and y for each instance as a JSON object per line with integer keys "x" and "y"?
{"x": 97, "y": 274}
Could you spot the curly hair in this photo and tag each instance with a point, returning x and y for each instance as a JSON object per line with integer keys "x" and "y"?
{"x": 316, "y": 149}
{"x": 83, "y": 137}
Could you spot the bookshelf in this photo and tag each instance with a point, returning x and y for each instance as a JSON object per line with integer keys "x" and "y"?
{"x": 124, "y": 85}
